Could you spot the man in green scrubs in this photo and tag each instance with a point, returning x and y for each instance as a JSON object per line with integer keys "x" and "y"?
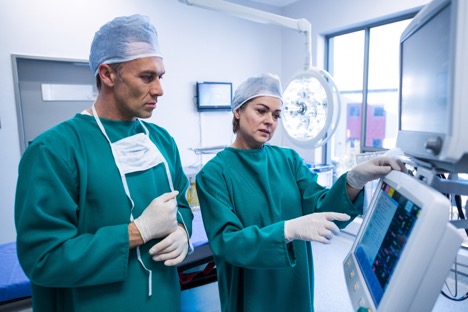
{"x": 101, "y": 213}
{"x": 261, "y": 206}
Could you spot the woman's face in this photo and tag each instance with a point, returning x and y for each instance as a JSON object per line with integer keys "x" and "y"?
{"x": 258, "y": 120}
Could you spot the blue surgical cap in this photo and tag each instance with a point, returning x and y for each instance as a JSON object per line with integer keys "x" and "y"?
{"x": 263, "y": 85}
{"x": 124, "y": 39}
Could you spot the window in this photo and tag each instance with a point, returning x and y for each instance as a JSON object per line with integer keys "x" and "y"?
{"x": 364, "y": 62}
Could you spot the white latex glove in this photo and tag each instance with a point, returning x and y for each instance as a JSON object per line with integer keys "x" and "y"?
{"x": 159, "y": 218}
{"x": 173, "y": 249}
{"x": 314, "y": 227}
{"x": 372, "y": 169}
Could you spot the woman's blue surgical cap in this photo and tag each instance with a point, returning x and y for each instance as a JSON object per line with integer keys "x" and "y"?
{"x": 262, "y": 85}
{"x": 124, "y": 39}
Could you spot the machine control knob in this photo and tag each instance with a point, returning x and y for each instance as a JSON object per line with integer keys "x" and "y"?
{"x": 433, "y": 145}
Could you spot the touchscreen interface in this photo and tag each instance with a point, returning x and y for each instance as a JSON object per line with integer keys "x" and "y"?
{"x": 384, "y": 238}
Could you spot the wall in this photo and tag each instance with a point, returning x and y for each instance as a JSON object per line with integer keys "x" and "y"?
{"x": 198, "y": 45}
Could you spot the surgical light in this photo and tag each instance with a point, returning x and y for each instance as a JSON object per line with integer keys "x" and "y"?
{"x": 311, "y": 106}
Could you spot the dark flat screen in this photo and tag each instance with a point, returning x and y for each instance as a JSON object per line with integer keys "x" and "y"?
{"x": 425, "y": 76}
{"x": 214, "y": 95}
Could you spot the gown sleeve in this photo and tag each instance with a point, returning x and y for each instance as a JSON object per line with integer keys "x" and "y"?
{"x": 252, "y": 246}
{"x": 316, "y": 198}
{"x": 168, "y": 147}
{"x": 49, "y": 245}
{"x": 181, "y": 183}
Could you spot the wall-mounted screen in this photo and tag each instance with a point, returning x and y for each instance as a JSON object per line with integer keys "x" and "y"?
{"x": 214, "y": 96}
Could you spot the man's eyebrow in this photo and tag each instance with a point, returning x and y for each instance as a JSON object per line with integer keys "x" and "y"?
{"x": 153, "y": 72}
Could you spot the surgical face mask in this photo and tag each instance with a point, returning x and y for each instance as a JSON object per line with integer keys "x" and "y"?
{"x": 136, "y": 153}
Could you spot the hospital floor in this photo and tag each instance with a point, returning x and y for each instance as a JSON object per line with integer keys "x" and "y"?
{"x": 330, "y": 288}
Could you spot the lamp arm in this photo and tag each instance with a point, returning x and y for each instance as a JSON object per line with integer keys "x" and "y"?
{"x": 301, "y": 25}
{"x": 308, "y": 50}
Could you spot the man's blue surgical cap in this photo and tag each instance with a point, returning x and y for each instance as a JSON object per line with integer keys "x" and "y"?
{"x": 124, "y": 39}
{"x": 262, "y": 85}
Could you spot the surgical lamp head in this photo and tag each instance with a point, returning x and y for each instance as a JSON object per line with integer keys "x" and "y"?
{"x": 124, "y": 39}
{"x": 311, "y": 109}
{"x": 263, "y": 85}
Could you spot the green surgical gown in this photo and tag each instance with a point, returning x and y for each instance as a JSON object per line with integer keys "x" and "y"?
{"x": 72, "y": 216}
{"x": 245, "y": 197}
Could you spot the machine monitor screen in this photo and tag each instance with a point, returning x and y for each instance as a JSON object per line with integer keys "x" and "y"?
{"x": 380, "y": 248}
{"x": 433, "y": 96}
{"x": 404, "y": 249}
{"x": 424, "y": 85}
{"x": 214, "y": 96}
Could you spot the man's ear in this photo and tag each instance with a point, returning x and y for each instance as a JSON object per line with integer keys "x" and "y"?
{"x": 106, "y": 74}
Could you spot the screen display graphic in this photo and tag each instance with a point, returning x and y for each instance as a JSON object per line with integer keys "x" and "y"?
{"x": 382, "y": 244}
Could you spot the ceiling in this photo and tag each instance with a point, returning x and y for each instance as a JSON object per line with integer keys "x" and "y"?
{"x": 276, "y": 3}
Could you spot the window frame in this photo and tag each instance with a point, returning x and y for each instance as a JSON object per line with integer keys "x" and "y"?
{"x": 366, "y": 27}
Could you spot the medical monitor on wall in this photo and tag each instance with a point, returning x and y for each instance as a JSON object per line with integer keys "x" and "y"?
{"x": 214, "y": 96}
{"x": 404, "y": 249}
{"x": 434, "y": 86}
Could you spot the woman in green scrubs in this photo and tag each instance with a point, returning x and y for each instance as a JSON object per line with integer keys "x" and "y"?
{"x": 261, "y": 205}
